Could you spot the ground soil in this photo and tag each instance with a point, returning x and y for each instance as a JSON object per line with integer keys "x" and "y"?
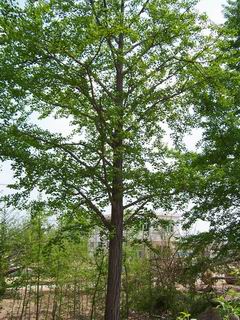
{"x": 12, "y": 306}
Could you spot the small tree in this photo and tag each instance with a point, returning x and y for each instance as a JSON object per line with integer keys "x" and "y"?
{"x": 3, "y": 249}
{"x": 120, "y": 72}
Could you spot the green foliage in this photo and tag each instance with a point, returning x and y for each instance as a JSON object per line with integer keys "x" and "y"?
{"x": 169, "y": 302}
{"x": 2, "y": 254}
{"x": 232, "y": 15}
{"x": 61, "y": 60}
{"x": 214, "y": 171}
{"x": 156, "y": 301}
{"x": 70, "y": 264}
{"x": 184, "y": 316}
{"x": 8, "y": 233}
{"x": 228, "y": 308}
{"x": 151, "y": 282}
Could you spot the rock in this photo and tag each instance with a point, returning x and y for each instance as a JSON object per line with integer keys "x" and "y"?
{"x": 209, "y": 314}
{"x": 230, "y": 279}
{"x": 233, "y": 317}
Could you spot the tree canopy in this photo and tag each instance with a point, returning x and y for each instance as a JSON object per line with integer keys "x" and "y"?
{"x": 61, "y": 59}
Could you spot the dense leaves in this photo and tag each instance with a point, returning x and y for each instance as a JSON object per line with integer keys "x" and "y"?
{"x": 62, "y": 59}
{"x": 216, "y": 192}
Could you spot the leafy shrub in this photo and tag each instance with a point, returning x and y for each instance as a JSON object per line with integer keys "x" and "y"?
{"x": 228, "y": 308}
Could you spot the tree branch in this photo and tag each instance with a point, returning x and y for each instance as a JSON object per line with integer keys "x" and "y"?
{"x": 55, "y": 144}
{"x": 130, "y": 219}
{"x": 140, "y": 12}
{"x": 92, "y": 206}
{"x": 163, "y": 99}
{"x": 136, "y": 202}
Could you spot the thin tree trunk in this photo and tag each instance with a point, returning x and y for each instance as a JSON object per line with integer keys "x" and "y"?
{"x": 29, "y": 299}
{"x": 19, "y": 304}
{"x": 126, "y": 289}
{"x": 78, "y": 300}
{"x": 96, "y": 288}
{"x": 41, "y": 306}
{"x": 68, "y": 302}
{"x": 75, "y": 297}
{"x": 24, "y": 301}
{"x": 37, "y": 296}
{"x": 15, "y": 290}
{"x": 55, "y": 302}
{"x": 48, "y": 302}
{"x": 60, "y": 302}
{"x": 38, "y": 267}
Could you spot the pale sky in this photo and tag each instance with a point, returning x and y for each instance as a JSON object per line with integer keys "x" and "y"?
{"x": 213, "y": 8}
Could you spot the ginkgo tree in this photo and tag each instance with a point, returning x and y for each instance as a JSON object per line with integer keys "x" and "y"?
{"x": 121, "y": 72}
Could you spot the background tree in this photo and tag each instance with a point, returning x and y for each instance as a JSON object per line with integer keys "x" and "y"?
{"x": 10, "y": 246}
{"x": 216, "y": 167}
{"x": 3, "y": 249}
{"x": 121, "y": 72}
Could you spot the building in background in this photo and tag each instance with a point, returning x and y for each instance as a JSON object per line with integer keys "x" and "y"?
{"x": 161, "y": 235}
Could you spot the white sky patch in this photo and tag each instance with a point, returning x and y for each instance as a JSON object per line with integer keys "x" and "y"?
{"x": 213, "y": 8}
{"x": 191, "y": 140}
{"x": 199, "y": 226}
{"x": 53, "y": 125}
{"x": 6, "y": 174}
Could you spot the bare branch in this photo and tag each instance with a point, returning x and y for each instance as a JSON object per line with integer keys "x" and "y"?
{"x": 130, "y": 219}
{"x": 57, "y": 104}
{"x": 111, "y": 47}
{"x": 96, "y": 54}
{"x": 92, "y": 206}
{"x": 136, "y": 202}
{"x": 140, "y": 12}
{"x": 104, "y": 165}
{"x": 90, "y": 72}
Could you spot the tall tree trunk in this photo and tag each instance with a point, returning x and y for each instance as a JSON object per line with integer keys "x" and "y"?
{"x": 112, "y": 310}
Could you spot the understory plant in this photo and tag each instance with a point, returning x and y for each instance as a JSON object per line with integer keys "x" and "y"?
{"x": 229, "y": 308}
{"x": 184, "y": 316}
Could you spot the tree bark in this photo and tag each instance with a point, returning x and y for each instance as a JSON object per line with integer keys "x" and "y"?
{"x": 112, "y": 310}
